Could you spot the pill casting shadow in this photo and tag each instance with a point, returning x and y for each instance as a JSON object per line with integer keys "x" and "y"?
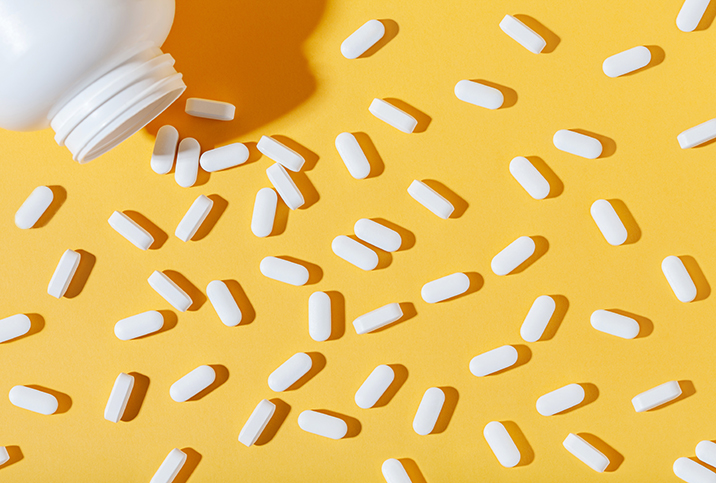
{"x": 15, "y": 454}
{"x": 632, "y": 228}
{"x": 411, "y": 468}
{"x": 527, "y": 455}
{"x": 407, "y": 237}
{"x": 408, "y": 309}
{"x": 384, "y": 258}
{"x": 561, "y": 307}
{"x": 338, "y": 314}
{"x": 422, "y": 118}
{"x": 609, "y": 147}
{"x": 459, "y": 204}
{"x": 556, "y": 187}
{"x": 192, "y": 461}
{"x": 64, "y": 402}
{"x": 401, "y": 375}
{"x": 318, "y": 362}
{"x": 446, "y": 413}
{"x": 524, "y": 354}
{"x": 279, "y": 416}
{"x": 707, "y": 18}
{"x": 646, "y": 326}
{"x": 615, "y": 458}
{"x": 170, "y": 321}
{"x": 222, "y": 375}
{"x": 703, "y": 289}
{"x": 354, "y": 426}
{"x": 84, "y": 269}
{"x": 37, "y": 323}
{"x": 59, "y": 196}
{"x": 551, "y": 39}
{"x": 391, "y": 31}
{"x": 591, "y": 393}
{"x": 509, "y": 95}
{"x": 217, "y": 209}
{"x": 541, "y": 248}
{"x": 371, "y": 152}
{"x": 687, "y": 390}
{"x": 160, "y": 237}
{"x": 136, "y": 398}
{"x": 476, "y": 283}
{"x": 315, "y": 273}
{"x": 248, "y": 314}
{"x": 197, "y": 297}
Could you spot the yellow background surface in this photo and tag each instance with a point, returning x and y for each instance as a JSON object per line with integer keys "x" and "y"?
{"x": 279, "y": 62}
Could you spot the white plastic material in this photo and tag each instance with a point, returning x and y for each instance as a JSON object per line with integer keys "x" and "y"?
{"x": 287, "y": 189}
{"x": 208, "y": 109}
{"x": 322, "y": 424}
{"x": 319, "y": 316}
{"x": 170, "y": 467}
{"x": 194, "y": 217}
{"x": 378, "y": 318}
{"x": 692, "y": 472}
{"x": 4, "y": 455}
{"x": 679, "y": 279}
{"x": 223, "y": 302}
{"x": 257, "y": 422}
{"x": 280, "y": 153}
{"x": 129, "y": 229}
{"x": 165, "y": 149}
{"x": 445, "y": 288}
{"x": 586, "y": 453}
{"x": 64, "y": 272}
{"x": 697, "y": 135}
{"x": 501, "y": 444}
{"x": 289, "y": 372}
{"x": 284, "y": 271}
{"x": 380, "y": 236}
{"x": 690, "y": 14}
{"x": 264, "y": 214}
{"x": 627, "y": 61}
{"x": 578, "y": 144}
{"x": 608, "y": 222}
{"x": 224, "y": 157}
{"x": 538, "y": 318}
{"x": 14, "y": 326}
{"x": 33, "y": 400}
{"x": 479, "y": 94}
{"x": 614, "y": 324}
{"x": 560, "y": 399}
{"x": 33, "y": 207}
{"x": 170, "y": 291}
{"x": 529, "y": 178}
{"x": 362, "y": 39}
{"x": 493, "y": 361}
{"x": 119, "y": 397}
{"x": 193, "y": 383}
{"x": 706, "y": 452}
{"x": 394, "y": 472}
{"x": 187, "y": 167}
{"x": 388, "y": 113}
{"x": 352, "y": 155}
{"x": 522, "y": 34}
{"x": 139, "y": 325}
{"x": 374, "y": 386}
{"x": 354, "y": 252}
{"x": 513, "y": 255}
{"x": 656, "y": 396}
{"x": 429, "y": 411}
{"x": 430, "y": 199}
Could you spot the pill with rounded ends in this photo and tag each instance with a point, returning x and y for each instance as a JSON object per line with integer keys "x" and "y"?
{"x": 354, "y": 252}
{"x": 64, "y": 272}
{"x": 493, "y": 361}
{"x": 362, "y": 39}
{"x": 208, "y": 109}
{"x": 692, "y": 472}
{"x": 445, "y": 288}
{"x": 614, "y": 324}
{"x": 280, "y": 153}
{"x": 378, "y": 235}
{"x": 170, "y": 291}
{"x": 257, "y": 422}
{"x": 394, "y": 472}
{"x": 193, "y": 383}
{"x": 538, "y": 318}
{"x": 696, "y": 135}
{"x": 223, "y": 302}
{"x": 264, "y": 212}
{"x": 479, "y": 94}
{"x": 139, "y": 325}
{"x": 578, "y": 144}
{"x": 287, "y": 189}
{"x": 14, "y": 326}
{"x": 319, "y": 316}
{"x": 224, "y": 157}
{"x": 429, "y": 411}
{"x": 289, "y": 372}
{"x": 33, "y": 400}
{"x": 501, "y": 444}
{"x": 690, "y": 14}
{"x": 194, "y": 217}
{"x": 374, "y": 386}
{"x": 129, "y": 229}
{"x": 529, "y": 178}
{"x": 560, "y": 399}
{"x": 608, "y": 222}
{"x": 119, "y": 397}
{"x": 322, "y": 424}
{"x": 513, "y": 255}
{"x": 627, "y": 61}
{"x": 165, "y": 149}
{"x": 187, "y": 167}
{"x": 170, "y": 467}
{"x": 586, "y": 453}
{"x": 679, "y": 279}
{"x": 656, "y": 396}
{"x": 352, "y": 155}
{"x": 522, "y": 34}
{"x": 706, "y": 452}
{"x": 34, "y": 207}
{"x": 430, "y": 199}
{"x": 388, "y": 113}
{"x": 378, "y": 318}
{"x": 4, "y": 455}
{"x": 284, "y": 271}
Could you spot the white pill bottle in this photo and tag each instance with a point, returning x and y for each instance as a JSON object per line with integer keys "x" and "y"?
{"x": 91, "y": 69}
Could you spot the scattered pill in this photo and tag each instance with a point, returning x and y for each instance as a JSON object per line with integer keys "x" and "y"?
{"x": 522, "y": 34}
{"x": 4, "y": 455}
{"x": 560, "y": 399}
{"x": 223, "y": 302}
{"x": 14, "y": 326}
{"x": 165, "y": 149}
{"x": 430, "y": 199}
{"x": 284, "y": 271}
{"x": 529, "y": 178}
{"x": 119, "y": 397}
{"x": 513, "y": 255}
{"x": 322, "y": 424}
{"x": 354, "y": 252}
{"x": 608, "y": 222}
{"x": 429, "y": 411}
{"x": 64, "y": 272}
{"x": 33, "y": 400}
{"x": 394, "y": 472}
{"x": 289, "y": 372}
{"x": 129, "y": 229}
{"x": 170, "y": 467}
{"x": 586, "y": 453}
{"x": 280, "y": 153}
{"x": 380, "y": 236}
{"x": 264, "y": 212}
{"x": 194, "y": 217}
{"x": 378, "y": 318}
{"x": 690, "y": 14}
{"x": 679, "y": 279}
{"x": 374, "y": 386}
{"x": 193, "y": 383}
{"x": 170, "y": 291}
{"x": 287, "y": 189}
{"x": 257, "y": 422}
{"x": 319, "y": 316}
{"x": 224, "y": 157}
{"x": 445, "y": 288}
{"x": 501, "y": 444}
{"x": 34, "y": 207}
{"x": 208, "y": 109}
{"x": 352, "y": 155}
{"x": 706, "y": 452}
{"x": 578, "y": 144}
{"x": 538, "y": 318}
{"x": 187, "y": 167}
{"x": 493, "y": 361}
{"x": 627, "y": 61}
{"x": 614, "y": 324}
{"x": 479, "y": 94}
{"x": 388, "y": 113}
{"x": 139, "y": 325}
{"x": 656, "y": 396}
{"x": 692, "y": 472}
{"x": 362, "y": 39}
{"x": 696, "y": 135}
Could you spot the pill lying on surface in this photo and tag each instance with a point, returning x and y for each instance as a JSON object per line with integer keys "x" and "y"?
{"x": 529, "y": 178}
{"x": 378, "y": 318}
{"x": 679, "y": 279}
{"x": 501, "y": 444}
{"x": 354, "y": 252}
{"x": 374, "y": 386}
{"x": 280, "y": 153}
{"x": 257, "y": 422}
{"x": 119, "y": 397}
{"x": 34, "y": 207}
{"x": 479, "y": 94}
{"x": 193, "y": 383}
{"x": 522, "y": 34}
{"x": 289, "y": 372}
{"x": 165, "y": 149}
{"x": 322, "y": 424}
{"x": 4, "y": 455}
{"x": 560, "y": 399}
{"x": 627, "y": 61}
{"x": 64, "y": 272}
{"x": 319, "y": 316}
{"x": 208, "y": 109}
{"x": 187, "y": 167}
{"x": 513, "y": 255}
{"x": 264, "y": 212}
{"x": 390, "y": 114}
{"x": 194, "y": 217}
{"x": 170, "y": 291}
{"x": 692, "y": 472}
{"x": 608, "y": 222}
{"x": 493, "y": 361}
{"x": 429, "y": 411}
{"x": 378, "y": 235}
{"x": 430, "y": 199}
{"x": 224, "y": 157}
{"x": 287, "y": 189}
{"x": 690, "y": 14}
{"x": 139, "y": 325}
{"x": 33, "y": 400}
{"x": 706, "y": 452}
{"x": 170, "y": 467}
{"x": 614, "y": 324}
{"x": 129, "y": 229}
{"x": 14, "y": 326}
{"x": 284, "y": 271}
{"x": 578, "y": 144}
{"x": 394, "y": 472}
{"x": 362, "y": 39}
{"x": 352, "y": 155}
{"x": 445, "y": 288}
{"x": 656, "y": 396}
{"x": 223, "y": 302}
{"x": 586, "y": 453}
{"x": 538, "y": 318}
{"x": 696, "y": 135}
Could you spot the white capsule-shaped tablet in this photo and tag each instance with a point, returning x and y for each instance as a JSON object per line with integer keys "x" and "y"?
{"x": 538, "y": 318}
{"x": 289, "y": 372}
{"x": 479, "y": 94}
{"x": 513, "y": 255}
{"x": 706, "y": 452}
{"x": 522, "y": 34}
{"x": 501, "y": 444}
{"x": 380, "y": 236}
{"x": 429, "y": 411}
{"x": 696, "y": 135}
{"x": 614, "y": 324}
{"x": 165, "y": 149}
{"x": 560, "y": 399}
{"x": 378, "y": 318}
{"x": 319, "y": 316}
{"x": 129, "y": 229}
{"x": 193, "y": 383}
{"x": 354, "y": 252}
{"x": 280, "y": 153}
{"x": 33, "y": 400}
{"x": 224, "y": 157}
{"x": 578, "y": 144}
{"x": 627, "y": 61}
{"x": 656, "y": 396}
{"x": 430, "y": 199}
{"x": 284, "y": 271}
{"x": 34, "y": 207}
{"x": 187, "y": 167}
{"x": 445, "y": 288}
{"x": 586, "y": 453}
{"x": 170, "y": 467}
{"x": 14, "y": 326}
{"x": 257, "y": 422}
{"x": 362, "y": 39}
{"x": 374, "y": 386}
{"x": 193, "y": 218}
{"x": 493, "y": 361}
{"x": 529, "y": 178}
{"x": 208, "y": 109}
{"x": 394, "y": 472}
{"x": 352, "y": 155}
{"x": 322, "y": 424}
{"x": 4, "y": 455}
{"x": 388, "y": 113}
{"x": 690, "y": 14}
{"x": 119, "y": 397}
{"x": 139, "y": 325}
{"x": 287, "y": 189}
{"x": 264, "y": 213}
{"x": 692, "y": 472}
{"x": 64, "y": 272}
{"x": 608, "y": 222}
{"x": 170, "y": 291}
{"x": 223, "y": 302}
{"x": 679, "y": 279}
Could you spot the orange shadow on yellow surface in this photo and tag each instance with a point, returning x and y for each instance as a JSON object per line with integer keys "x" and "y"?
{"x": 615, "y": 458}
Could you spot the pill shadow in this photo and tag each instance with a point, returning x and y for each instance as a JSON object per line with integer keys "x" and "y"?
{"x": 160, "y": 237}
{"x": 222, "y": 375}
{"x": 254, "y": 154}
{"x": 407, "y": 237}
{"x": 451, "y": 398}
{"x": 202, "y": 177}
{"x": 280, "y": 221}
{"x": 615, "y": 458}
{"x": 318, "y": 362}
{"x": 136, "y": 398}
{"x": 304, "y": 185}
{"x": 541, "y": 248}
{"x": 697, "y": 460}
{"x": 703, "y": 289}
{"x": 401, "y": 375}
{"x": 632, "y": 228}
{"x": 338, "y": 314}
{"x": 687, "y": 390}
{"x": 411, "y": 468}
{"x": 279, "y": 416}
{"x": 310, "y": 158}
{"x": 458, "y": 203}
{"x": 15, "y": 454}
{"x": 591, "y": 393}
{"x": 524, "y": 354}
{"x": 550, "y": 37}
{"x": 217, "y": 209}
{"x": 315, "y": 273}
{"x": 84, "y": 269}
{"x": 384, "y": 258}
{"x": 560, "y": 310}
{"x": 609, "y": 146}
{"x": 527, "y": 455}
{"x": 657, "y": 57}
{"x": 510, "y": 95}
{"x": 170, "y": 321}
{"x": 556, "y": 187}
{"x": 408, "y": 313}
{"x": 707, "y": 18}
{"x": 248, "y": 314}
{"x": 59, "y": 196}
{"x": 476, "y": 283}
{"x": 37, "y": 323}
{"x": 646, "y": 327}
{"x": 391, "y": 31}
{"x": 354, "y": 426}
{"x": 197, "y": 297}
{"x": 64, "y": 402}
{"x": 422, "y": 118}
{"x": 371, "y": 153}
{"x": 192, "y": 461}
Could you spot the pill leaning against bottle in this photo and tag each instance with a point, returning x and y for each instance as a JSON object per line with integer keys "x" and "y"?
{"x": 690, "y": 14}
{"x": 165, "y": 149}
{"x": 697, "y": 135}
{"x": 63, "y": 274}
{"x": 394, "y": 472}
{"x": 586, "y": 453}
{"x": 560, "y": 400}
{"x": 493, "y": 361}
{"x": 354, "y": 253}
{"x": 170, "y": 467}
{"x": 264, "y": 213}
{"x": 288, "y": 373}
{"x": 538, "y": 318}
{"x": 192, "y": 384}
{"x": 578, "y": 144}
{"x": 627, "y": 61}
{"x": 257, "y": 422}
{"x": 34, "y": 207}
{"x": 187, "y": 167}
{"x": 389, "y": 114}
{"x": 170, "y": 291}
{"x": 501, "y": 444}
{"x": 679, "y": 279}
{"x": 224, "y": 157}
{"x": 692, "y": 472}
{"x": 193, "y": 218}
{"x": 224, "y": 303}
{"x": 208, "y": 109}
{"x": 445, "y": 288}
{"x": 706, "y": 452}
{"x": 284, "y": 271}
{"x": 352, "y": 155}
{"x": 119, "y": 397}
{"x": 280, "y": 153}
{"x": 378, "y": 318}
{"x": 322, "y": 424}
{"x": 430, "y": 199}
{"x": 614, "y": 324}
{"x": 429, "y": 411}
{"x": 479, "y": 94}
{"x": 362, "y": 39}
{"x": 513, "y": 255}
{"x": 130, "y": 230}
{"x": 522, "y": 34}
{"x": 608, "y": 222}
{"x": 287, "y": 189}
{"x": 378, "y": 235}
{"x": 656, "y": 396}
{"x": 14, "y": 326}
{"x": 139, "y": 325}
{"x": 374, "y": 386}
{"x": 529, "y": 178}
{"x": 33, "y": 400}
{"x": 319, "y": 316}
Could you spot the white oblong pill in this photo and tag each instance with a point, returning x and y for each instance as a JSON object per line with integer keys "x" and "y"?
{"x": 378, "y": 235}
{"x": 322, "y": 424}
{"x": 608, "y": 222}
{"x": 614, "y": 324}
{"x": 493, "y": 361}
{"x": 696, "y": 135}
{"x": 319, "y": 316}
{"x": 223, "y": 302}
{"x": 362, "y": 39}
{"x": 389, "y": 114}
{"x": 170, "y": 291}
{"x": 165, "y": 149}
{"x": 578, "y": 144}
{"x": 187, "y": 167}
{"x": 692, "y": 472}
{"x": 170, "y": 467}
{"x": 690, "y": 14}
{"x": 374, "y": 386}
{"x": 289, "y": 372}
{"x": 627, "y": 61}
{"x": 14, "y": 326}
{"x": 224, "y": 157}
{"x": 264, "y": 213}
{"x": 193, "y": 218}
{"x": 4, "y": 455}
{"x": 479, "y": 94}
{"x": 129, "y": 229}
{"x": 354, "y": 253}
{"x": 586, "y": 453}
{"x": 119, "y": 397}
{"x": 429, "y": 411}
{"x": 257, "y": 422}
{"x": 352, "y": 155}
{"x": 394, "y": 472}
{"x": 284, "y": 271}
{"x": 522, "y": 34}
{"x": 64, "y": 272}
{"x": 287, "y": 189}
{"x": 280, "y": 153}
{"x": 656, "y": 396}
{"x": 538, "y": 318}
{"x": 445, "y": 288}
{"x": 706, "y": 452}
{"x": 679, "y": 279}
{"x": 139, "y": 325}
{"x": 34, "y": 207}
{"x": 378, "y": 318}
{"x": 208, "y": 109}
{"x": 529, "y": 178}
{"x": 430, "y": 199}
{"x": 501, "y": 444}
{"x": 513, "y": 255}
{"x": 560, "y": 399}
{"x": 193, "y": 383}
{"x": 33, "y": 400}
